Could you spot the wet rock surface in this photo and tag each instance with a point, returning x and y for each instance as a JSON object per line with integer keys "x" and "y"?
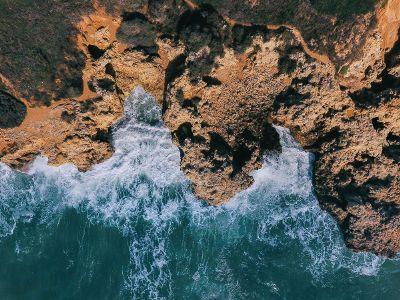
{"x": 223, "y": 78}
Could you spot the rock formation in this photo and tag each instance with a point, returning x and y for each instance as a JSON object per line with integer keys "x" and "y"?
{"x": 222, "y": 78}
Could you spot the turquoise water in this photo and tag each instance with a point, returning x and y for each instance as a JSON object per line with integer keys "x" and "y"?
{"x": 131, "y": 229}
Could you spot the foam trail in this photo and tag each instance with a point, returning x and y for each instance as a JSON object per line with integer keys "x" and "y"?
{"x": 141, "y": 191}
{"x": 285, "y": 180}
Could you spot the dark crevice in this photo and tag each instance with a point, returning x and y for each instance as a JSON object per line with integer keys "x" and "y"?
{"x": 191, "y": 105}
{"x": 103, "y": 136}
{"x": 87, "y": 106}
{"x": 95, "y": 51}
{"x": 378, "y": 126}
{"x": 130, "y": 16}
{"x": 385, "y": 88}
{"x": 290, "y": 97}
{"x": 392, "y": 138}
{"x": 270, "y": 140}
{"x": 241, "y": 155}
{"x": 332, "y": 136}
{"x": 68, "y": 117}
{"x": 185, "y": 132}
{"x": 286, "y": 65}
{"x": 109, "y": 69}
{"x": 219, "y": 145}
{"x": 12, "y": 111}
{"x": 392, "y": 150}
{"x": 210, "y": 81}
{"x": 106, "y": 84}
{"x": 174, "y": 69}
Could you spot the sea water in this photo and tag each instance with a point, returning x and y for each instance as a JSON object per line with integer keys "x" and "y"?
{"x": 131, "y": 228}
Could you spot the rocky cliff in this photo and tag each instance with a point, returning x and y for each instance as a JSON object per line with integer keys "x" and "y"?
{"x": 223, "y": 73}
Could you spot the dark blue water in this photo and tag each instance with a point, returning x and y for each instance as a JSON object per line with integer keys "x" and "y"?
{"x": 131, "y": 229}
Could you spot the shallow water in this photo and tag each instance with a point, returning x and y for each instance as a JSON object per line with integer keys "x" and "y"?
{"x": 132, "y": 229}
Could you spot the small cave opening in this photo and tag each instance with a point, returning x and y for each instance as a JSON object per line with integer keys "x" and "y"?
{"x": 210, "y": 81}
{"x": 241, "y": 155}
{"x": 109, "y": 69}
{"x": 378, "y": 125}
{"x": 184, "y": 132}
{"x": 95, "y": 52}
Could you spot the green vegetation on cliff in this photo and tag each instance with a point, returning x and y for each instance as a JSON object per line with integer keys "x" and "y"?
{"x": 37, "y": 46}
{"x": 344, "y": 9}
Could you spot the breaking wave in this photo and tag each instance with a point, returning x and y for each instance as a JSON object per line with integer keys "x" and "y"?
{"x": 178, "y": 246}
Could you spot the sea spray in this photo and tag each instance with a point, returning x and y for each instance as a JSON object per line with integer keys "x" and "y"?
{"x": 270, "y": 240}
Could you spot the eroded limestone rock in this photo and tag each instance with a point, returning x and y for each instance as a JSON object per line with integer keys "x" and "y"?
{"x": 221, "y": 82}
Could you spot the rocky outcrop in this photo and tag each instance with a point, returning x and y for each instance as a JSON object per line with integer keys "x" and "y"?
{"x": 355, "y": 169}
{"x": 222, "y": 79}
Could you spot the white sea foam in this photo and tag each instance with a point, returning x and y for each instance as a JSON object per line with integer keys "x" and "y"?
{"x": 141, "y": 186}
